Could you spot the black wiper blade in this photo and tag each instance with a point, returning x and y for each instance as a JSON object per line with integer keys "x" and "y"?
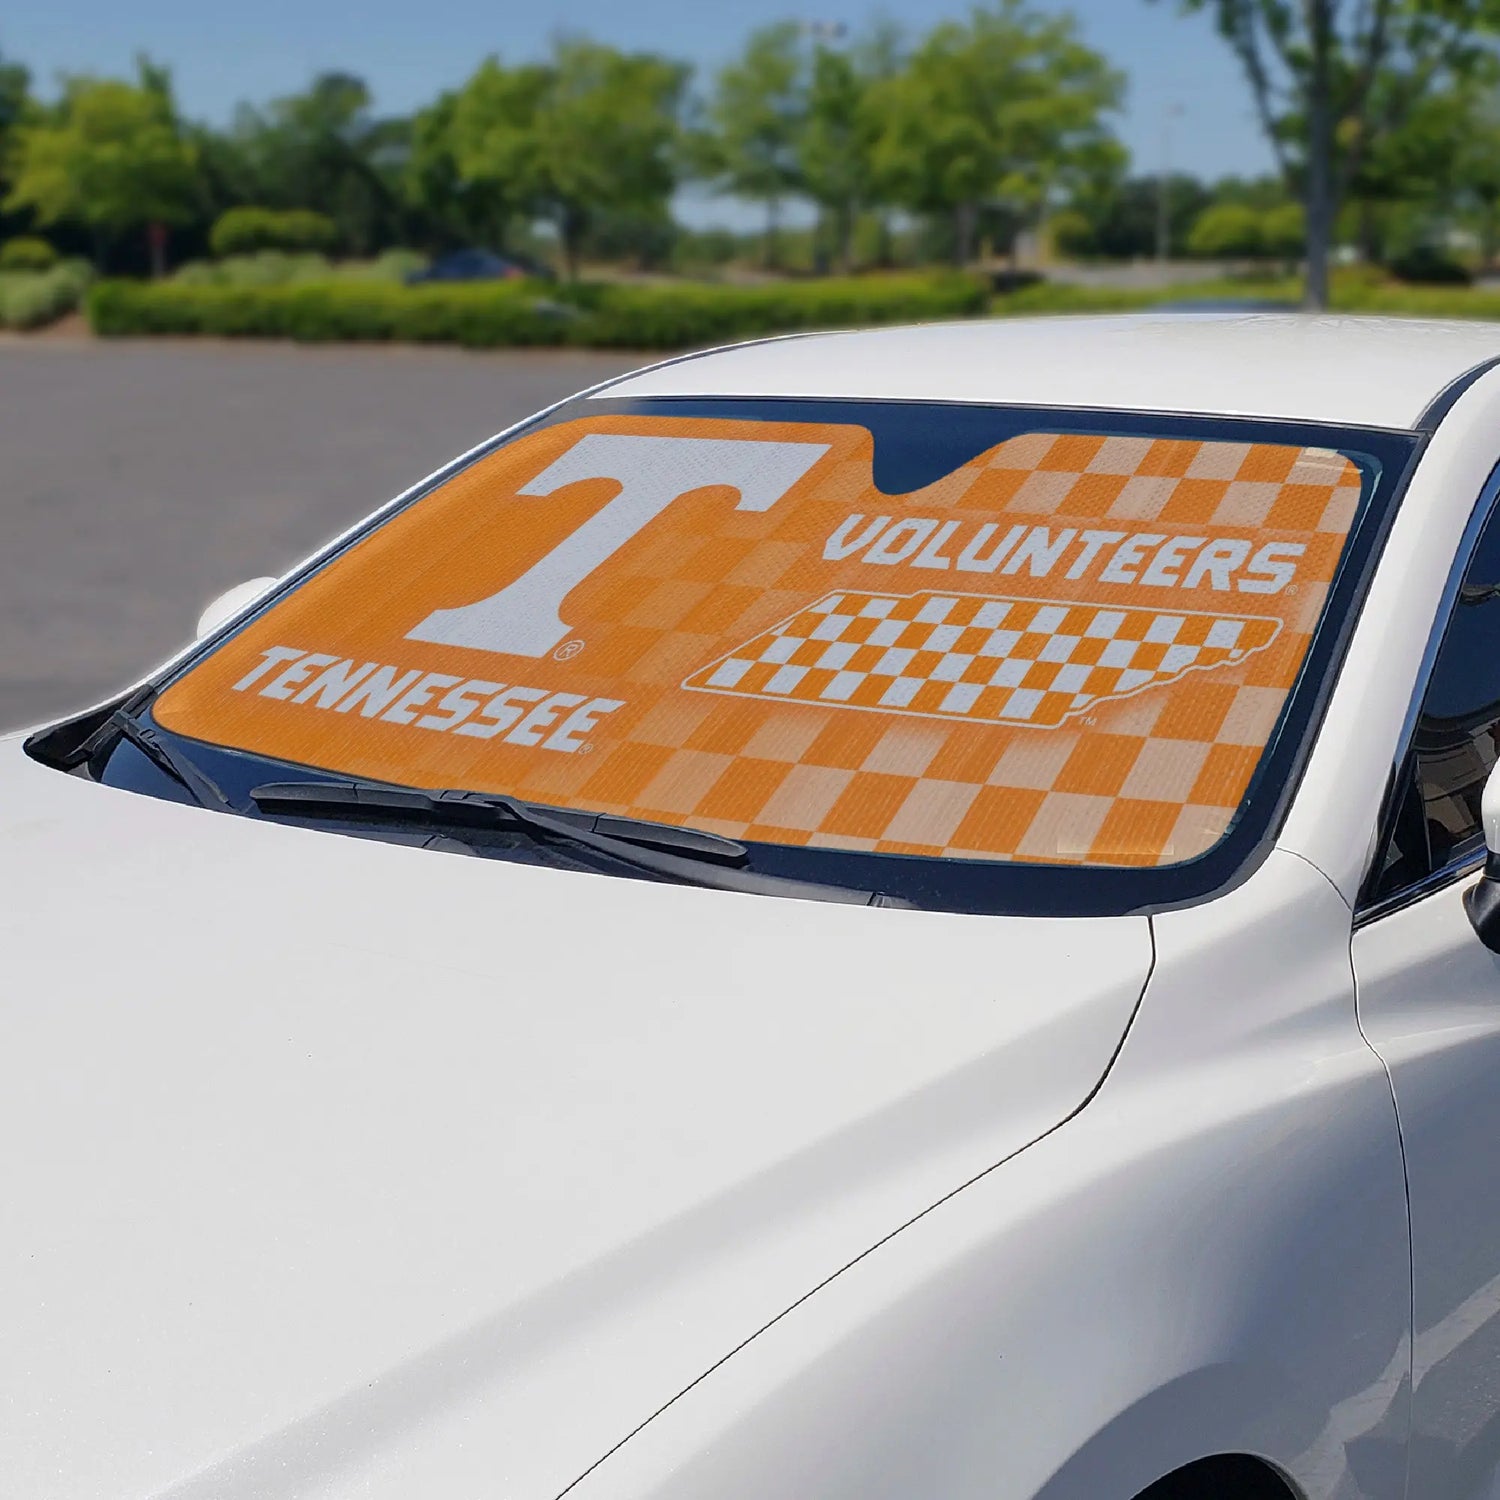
{"x": 374, "y": 796}
{"x": 149, "y": 741}
{"x": 687, "y": 855}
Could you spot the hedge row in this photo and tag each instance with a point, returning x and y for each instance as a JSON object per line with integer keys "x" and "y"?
{"x": 1060, "y": 297}
{"x": 1353, "y": 292}
{"x": 1423, "y": 302}
{"x": 495, "y": 315}
{"x": 296, "y": 268}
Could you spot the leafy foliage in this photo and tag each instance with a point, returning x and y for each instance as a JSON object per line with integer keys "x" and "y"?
{"x": 1001, "y": 108}
{"x": 754, "y": 122}
{"x": 283, "y": 268}
{"x": 536, "y": 134}
{"x": 111, "y": 155}
{"x": 518, "y": 313}
{"x": 324, "y": 150}
{"x": 27, "y": 252}
{"x": 32, "y": 299}
{"x": 1227, "y": 230}
{"x": 1333, "y": 85}
{"x": 243, "y": 231}
{"x": 1124, "y": 213}
{"x": 1429, "y": 266}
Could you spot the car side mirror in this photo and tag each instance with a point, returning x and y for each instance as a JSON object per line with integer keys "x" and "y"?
{"x": 230, "y": 603}
{"x": 1482, "y": 901}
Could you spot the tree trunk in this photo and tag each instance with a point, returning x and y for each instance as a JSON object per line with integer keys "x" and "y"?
{"x": 823, "y": 233}
{"x": 844, "y": 232}
{"x": 570, "y": 232}
{"x": 156, "y": 241}
{"x": 965, "y": 222}
{"x": 1369, "y": 232}
{"x": 1320, "y": 195}
{"x": 1487, "y": 234}
{"x": 771, "y": 257}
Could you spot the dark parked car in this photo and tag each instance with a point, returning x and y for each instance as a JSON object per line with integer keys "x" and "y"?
{"x": 478, "y": 265}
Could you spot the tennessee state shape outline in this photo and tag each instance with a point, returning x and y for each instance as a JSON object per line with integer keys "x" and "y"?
{"x": 977, "y": 658}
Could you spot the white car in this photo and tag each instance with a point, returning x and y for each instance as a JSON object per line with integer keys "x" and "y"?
{"x": 877, "y": 916}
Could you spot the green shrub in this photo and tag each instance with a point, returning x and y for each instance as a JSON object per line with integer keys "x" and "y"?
{"x": 285, "y": 268}
{"x": 27, "y": 252}
{"x": 1421, "y": 302}
{"x": 389, "y": 265}
{"x": 32, "y": 299}
{"x": 1054, "y": 297}
{"x": 1283, "y": 231}
{"x": 1227, "y": 230}
{"x": 493, "y": 315}
{"x": 1427, "y": 265}
{"x": 677, "y": 316}
{"x": 1071, "y": 232}
{"x": 262, "y": 268}
{"x": 243, "y": 231}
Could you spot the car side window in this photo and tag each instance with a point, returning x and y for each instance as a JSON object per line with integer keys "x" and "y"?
{"x": 1435, "y": 821}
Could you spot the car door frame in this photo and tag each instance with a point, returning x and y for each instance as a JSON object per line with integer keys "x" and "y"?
{"x": 1428, "y": 1000}
{"x": 1334, "y": 817}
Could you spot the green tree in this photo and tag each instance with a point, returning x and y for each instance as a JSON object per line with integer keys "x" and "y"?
{"x": 592, "y": 131}
{"x": 880, "y": 53}
{"x": 753, "y": 122}
{"x": 15, "y": 105}
{"x": 1440, "y": 167}
{"x": 838, "y": 130}
{"x": 489, "y": 139}
{"x": 445, "y": 207}
{"x": 1329, "y": 81}
{"x": 324, "y": 149}
{"x": 836, "y": 145}
{"x": 1475, "y": 165}
{"x": 999, "y": 110}
{"x": 112, "y": 156}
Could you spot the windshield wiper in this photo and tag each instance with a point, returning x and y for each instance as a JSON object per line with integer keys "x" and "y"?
{"x": 687, "y": 855}
{"x": 125, "y": 723}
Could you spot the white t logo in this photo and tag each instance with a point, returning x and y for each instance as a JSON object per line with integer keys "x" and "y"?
{"x": 524, "y": 618}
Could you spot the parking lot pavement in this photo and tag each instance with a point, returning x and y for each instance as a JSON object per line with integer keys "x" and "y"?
{"x": 139, "y": 480}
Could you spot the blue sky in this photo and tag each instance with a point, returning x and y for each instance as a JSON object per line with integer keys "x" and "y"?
{"x": 408, "y": 50}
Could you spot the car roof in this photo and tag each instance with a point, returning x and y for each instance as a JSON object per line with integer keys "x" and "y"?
{"x": 1376, "y": 372}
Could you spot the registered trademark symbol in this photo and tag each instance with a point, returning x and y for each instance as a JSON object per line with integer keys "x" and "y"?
{"x": 585, "y": 749}
{"x": 567, "y": 651}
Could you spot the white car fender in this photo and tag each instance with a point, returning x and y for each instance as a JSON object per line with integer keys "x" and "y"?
{"x": 1210, "y": 1258}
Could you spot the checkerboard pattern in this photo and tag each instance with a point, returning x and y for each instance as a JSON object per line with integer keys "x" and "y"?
{"x": 1139, "y": 775}
{"x": 998, "y": 661}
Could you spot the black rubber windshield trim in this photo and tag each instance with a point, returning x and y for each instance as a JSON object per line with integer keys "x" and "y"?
{"x": 1444, "y": 401}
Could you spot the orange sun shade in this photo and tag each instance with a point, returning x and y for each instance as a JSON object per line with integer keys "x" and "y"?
{"x": 1071, "y": 648}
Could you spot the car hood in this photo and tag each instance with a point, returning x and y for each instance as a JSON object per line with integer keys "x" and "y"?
{"x": 332, "y": 1167}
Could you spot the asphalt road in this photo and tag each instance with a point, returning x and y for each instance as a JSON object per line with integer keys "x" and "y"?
{"x": 137, "y": 481}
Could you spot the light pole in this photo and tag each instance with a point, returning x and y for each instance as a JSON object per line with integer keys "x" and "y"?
{"x": 1164, "y": 186}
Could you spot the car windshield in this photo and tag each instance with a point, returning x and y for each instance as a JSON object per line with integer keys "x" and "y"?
{"x": 988, "y": 658}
